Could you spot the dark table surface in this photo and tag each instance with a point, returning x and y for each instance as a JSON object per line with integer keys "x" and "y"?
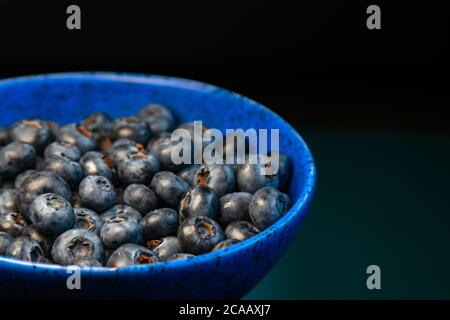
{"x": 382, "y": 198}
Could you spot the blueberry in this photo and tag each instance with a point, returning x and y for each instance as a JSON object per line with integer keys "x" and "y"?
{"x": 87, "y": 262}
{"x": 252, "y": 177}
{"x": 54, "y": 129}
{"x": 220, "y": 178}
{"x": 131, "y": 254}
{"x": 67, "y": 169}
{"x": 5, "y": 241}
{"x": 120, "y": 149}
{"x": 131, "y": 128}
{"x": 13, "y": 223}
{"x": 180, "y": 256}
{"x": 39, "y": 183}
{"x": 44, "y": 240}
{"x": 188, "y": 173}
{"x": 267, "y": 206}
{"x": 160, "y": 223}
{"x": 169, "y": 188}
{"x": 97, "y": 193}
{"x": 87, "y": 219}
{"x": 79, "y": 136}
{"x": 225, "y": 244}
{"x": 162, "y": 149}
{"x": 97, "y": 164}
{"x": 138, "y": 167}
{"x": 24, "y": 248}
{"x": 199, "y": 235}
{"x": 15, "y": 158}
{"x": 51, "y": 214}
{"x": 121, "y": 210}
{"x": 284, "y": 168}
{"x": 4, "y": 136}
{"x": 76, "y": 244}
{"x": 199, "y": 201}
{"x": 140, "y": 197}
{"x": 34, "y": 132}
{"x": 234, "y": 206}
{"x": 20, "y": 178}
{"x": 165, "y": 247}
{"x": 158, "y": 118}
{"x": 119, "y": 230}
{"x": 62, "y": 149}
{"x": 97, "y": 122}
{"x": 9, "y": 201}
{"x": 240, "y": 230}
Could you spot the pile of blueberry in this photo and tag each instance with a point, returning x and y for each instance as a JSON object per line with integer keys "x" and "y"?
{"x": 105, "y": 192}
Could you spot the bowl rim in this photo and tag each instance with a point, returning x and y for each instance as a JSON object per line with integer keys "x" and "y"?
{"x": 298, "y": 208}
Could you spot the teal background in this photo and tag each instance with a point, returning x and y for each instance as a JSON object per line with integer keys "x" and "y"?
{"x": 382, "y": 198}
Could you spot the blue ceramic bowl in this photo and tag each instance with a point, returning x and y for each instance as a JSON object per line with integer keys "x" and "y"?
{"x": 229, "y": 273}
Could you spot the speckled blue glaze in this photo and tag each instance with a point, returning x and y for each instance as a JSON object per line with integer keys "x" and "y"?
{"x": 229, "y": 273}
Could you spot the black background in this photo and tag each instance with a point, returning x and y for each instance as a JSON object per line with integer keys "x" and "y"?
{"x": 314, "y": 62}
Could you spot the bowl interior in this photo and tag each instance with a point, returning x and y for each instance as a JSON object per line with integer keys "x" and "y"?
{"x": 66, "y": 98}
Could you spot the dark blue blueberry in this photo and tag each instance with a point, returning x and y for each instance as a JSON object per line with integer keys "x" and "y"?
{"x": 39, "y": 183}
{"x": 15, "y": 158}
{"x": 180, "y": 256}
{"x": 13, "y": 223}
{"x": 97, "y": 193}
{"x": 267, "y": 206}
{"x": 79, "y": 136}
{"x": 162, "y": 149}
{"x": 119, "y": 230}
{"x": 165, "y": 247}
{"x": 188, "y": 173}
{"x": 159, "y": 118}
{"x": 120, "y": 149}
{"x": 97, "y": 164}
{"x": 87, "y": 219}
{"x": 62, "y": 149}
{"x": 160, "y": 223}
{"x": 240, "y": 230}
{"x": 54, "y": 129}
{"x": 225, "y": 244}
{"x": 234, "y": 206}
{"x": 138, "y": 168}
{"x": 87, "y": 262}
{"x": 4, "y": 136}
{"x": 131, "y": 128}
{"x": 25, "y": 248}
{"x": 199, "y": 201}
{"x": 131, "y": 254}
{"x": 44, "y": 240}
{"x": 77, "y": 244}
{"x": 67, "y": 169}
{"x": 140, "y": 197}
{"x": 121, "y": 210}
{"x": 218, "y": 177}
{"x": 97, "y": 122}
{"x": 284, "y": 168}
{"x": 199, "y": 235}
{"x": 169, "y": 188}
{"x": 20, "y": 178}
{"x": 34, "y": 132}
{"x": 51, "y": 214}
{"x": 9, "y": 201}
{"x": 252, "y": 177}
{"x": 5, "y": 241}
